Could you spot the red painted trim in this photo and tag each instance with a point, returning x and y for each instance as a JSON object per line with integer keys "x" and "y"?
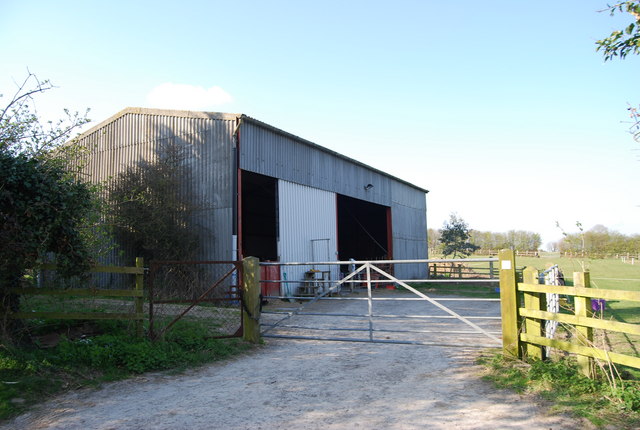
{"x": 239, "y": 199}
{"x": 337, "y": 230}
{"x": 389, "y": 235}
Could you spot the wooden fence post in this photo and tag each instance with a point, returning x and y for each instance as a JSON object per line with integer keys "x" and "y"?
{"x": 139, "y": 301}
{"x": 535, "y": 302}
{"x": 509, "y": 304}
{"x": 251, "y": 299}
{"x": 585, "y": 334}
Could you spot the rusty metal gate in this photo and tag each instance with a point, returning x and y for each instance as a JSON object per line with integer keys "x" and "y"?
{"x": 370, "y": 300}
{"x": 205, "y": 296}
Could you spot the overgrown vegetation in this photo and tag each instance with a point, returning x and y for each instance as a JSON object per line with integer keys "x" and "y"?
{"x": 44, "y": 206}
{"x": 30, "y": 374}
{"x": 603, "y": 401}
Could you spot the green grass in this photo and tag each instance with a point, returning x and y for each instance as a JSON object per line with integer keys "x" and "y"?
{"x": 605, "y": 404}
{"x": 610, "y": 274}
{"x": 464, "y": 289}
{"x": 29, "y": 374}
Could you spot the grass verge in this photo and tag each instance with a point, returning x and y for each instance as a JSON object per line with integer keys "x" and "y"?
{"x": 605, "y": 402}
{"x": 30, "y": 374}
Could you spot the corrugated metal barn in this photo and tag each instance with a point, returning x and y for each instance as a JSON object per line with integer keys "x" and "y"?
{"x": 269, "y": 194}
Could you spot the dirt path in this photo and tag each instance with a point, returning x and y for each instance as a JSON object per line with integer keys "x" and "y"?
{"x": 306, "y": 385}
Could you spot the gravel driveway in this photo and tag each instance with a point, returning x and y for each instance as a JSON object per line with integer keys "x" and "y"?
{"x": 309, "y": 384}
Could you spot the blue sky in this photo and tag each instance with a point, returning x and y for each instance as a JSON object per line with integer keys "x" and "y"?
{"x": 502, "y": 109}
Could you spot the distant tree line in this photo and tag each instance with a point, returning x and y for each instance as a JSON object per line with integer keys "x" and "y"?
{"x": 599, "y": 240}
{"x": 518, "y": 240}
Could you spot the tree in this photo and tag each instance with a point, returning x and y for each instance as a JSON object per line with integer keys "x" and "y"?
{"x": 152, "y": 207}
{"x": 43, "y": 205}
{"x": 622, "y": 42}
{"x": 454, "y": 237}
{"x": 518, "y": 240}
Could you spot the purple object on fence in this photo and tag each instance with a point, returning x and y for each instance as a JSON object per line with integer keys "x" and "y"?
{"x": 597, "y": 305}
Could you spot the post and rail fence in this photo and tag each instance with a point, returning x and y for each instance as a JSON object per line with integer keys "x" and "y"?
{"x": 136, "y": 294}
{"x": 522, "y": 303}
{"x": 524, "y": 312}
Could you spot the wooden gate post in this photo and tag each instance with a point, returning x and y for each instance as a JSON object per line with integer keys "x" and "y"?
{"x": 509, "y": 304}
{"x": 251, "y": 299}
{"x": 532, "y": 326}
{"x": 585, "y": 334}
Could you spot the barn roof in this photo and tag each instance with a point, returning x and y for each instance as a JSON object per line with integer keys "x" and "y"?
{"x": 241, "y": 118}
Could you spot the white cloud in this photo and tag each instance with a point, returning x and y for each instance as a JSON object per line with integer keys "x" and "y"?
{"x": 189, "y": 97}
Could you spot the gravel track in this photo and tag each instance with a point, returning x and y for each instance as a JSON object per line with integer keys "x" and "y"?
{"x": 312, "y": 384}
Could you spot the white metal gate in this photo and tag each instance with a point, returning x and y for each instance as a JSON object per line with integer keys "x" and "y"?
{"x": 371, "y": 312}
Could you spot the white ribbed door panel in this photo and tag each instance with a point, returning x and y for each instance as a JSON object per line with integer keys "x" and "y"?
{"x": 308, "y": 231}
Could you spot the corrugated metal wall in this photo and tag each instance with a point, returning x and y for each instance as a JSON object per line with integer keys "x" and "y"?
{"x": 409, "y": 224}
{"x": 137, "y": 134}
{"x": 307, "y": 220}
{"x": 270, "y": 152}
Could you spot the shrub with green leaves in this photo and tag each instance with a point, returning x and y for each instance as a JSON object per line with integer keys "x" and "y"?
{"x": 42, "y": 204}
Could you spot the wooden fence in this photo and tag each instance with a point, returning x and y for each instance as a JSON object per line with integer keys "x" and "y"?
{"x": 523, "y": 323}
{"x": 137, "y": 294}
{"x": 461, "y": 271}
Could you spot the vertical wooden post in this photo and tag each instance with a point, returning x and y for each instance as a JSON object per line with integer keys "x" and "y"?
{"x": 533, "y": 326}
{"x": 585, "y": 334}
{"x": 509, "y": 304}
{"x": 139, "y": 301}
{"x": 251, "y": 299}
{"x": 491, "y": 270}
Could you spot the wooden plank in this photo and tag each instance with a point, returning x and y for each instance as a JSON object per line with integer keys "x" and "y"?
{"x": 633, "y": 296}
{"x": 104, "y": 269}
{"x": 509, "y": 304}
{"x": 117, "y": 269}
{"x": 77, "y": 316}
{"x": 596, "y": 353}
{"x": 583, "y": 321}
{"x": 84, "y": 292}
{"x": 533, "y": 326}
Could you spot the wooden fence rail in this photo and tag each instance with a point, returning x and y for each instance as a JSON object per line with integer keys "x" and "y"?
{"x": 532, "y": 315}
{"x": 136, "y": 293}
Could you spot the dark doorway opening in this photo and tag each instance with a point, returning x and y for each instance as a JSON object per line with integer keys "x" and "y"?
{"x": 364, "y": 231}
{"x": 259, "y": 216}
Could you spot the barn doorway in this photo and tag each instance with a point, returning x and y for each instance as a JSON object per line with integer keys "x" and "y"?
{"x": 364, "y": 230}
{"x": 259, "y": 216}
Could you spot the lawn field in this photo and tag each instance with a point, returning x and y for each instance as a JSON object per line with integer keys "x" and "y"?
{"x": 610, "y": 274}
